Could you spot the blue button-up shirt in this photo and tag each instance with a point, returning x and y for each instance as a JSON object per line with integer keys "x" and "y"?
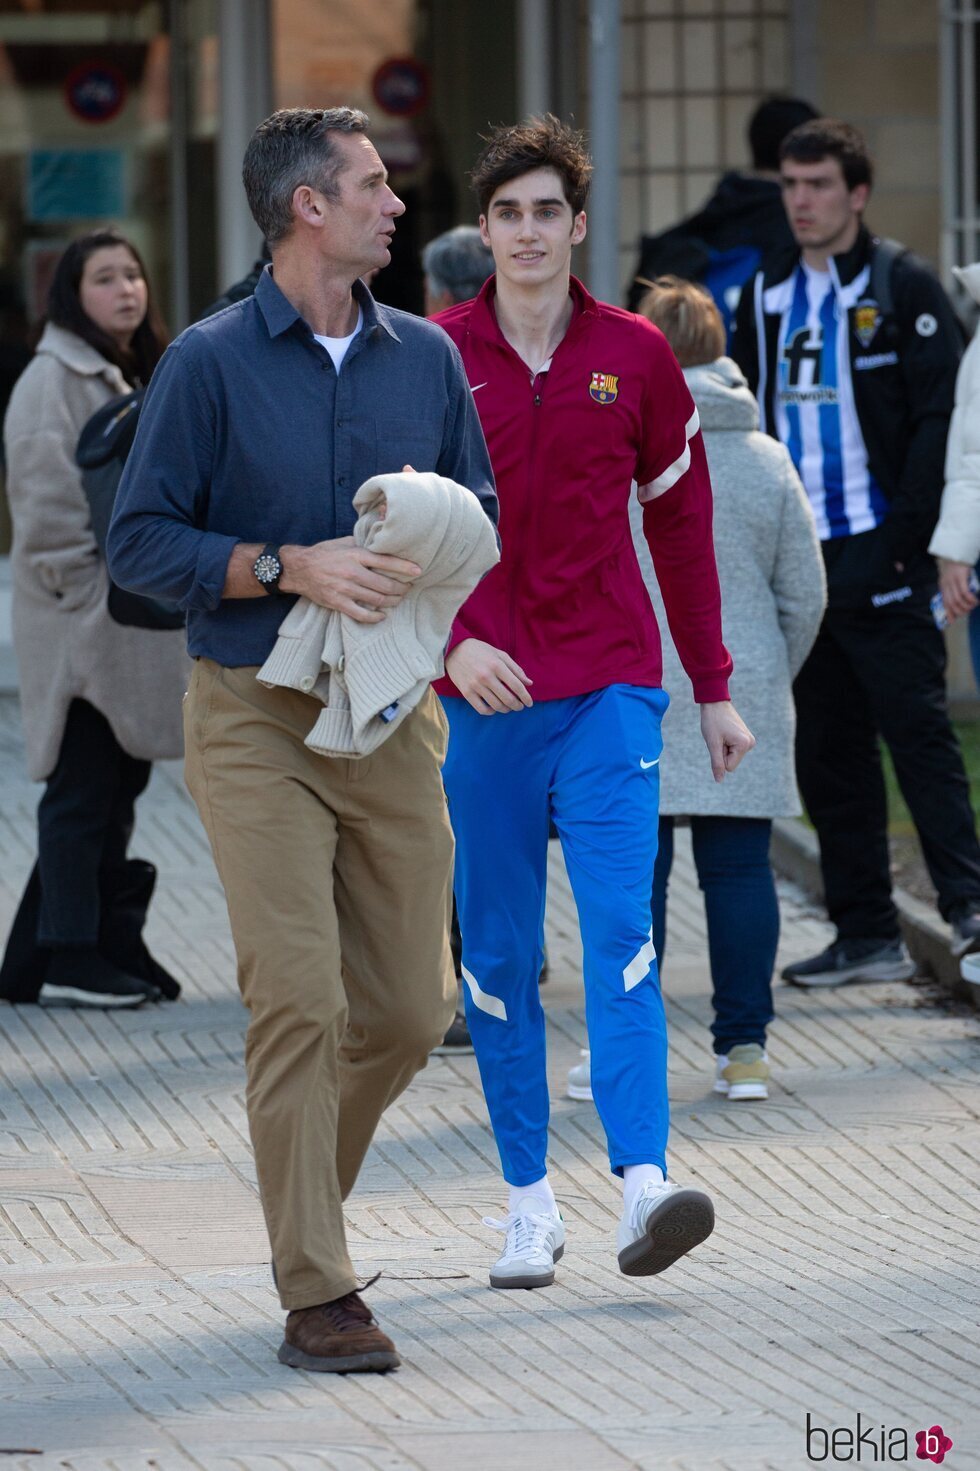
{"x": 249, "y": 434}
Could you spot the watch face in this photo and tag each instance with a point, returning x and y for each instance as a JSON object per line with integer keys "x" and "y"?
{"x": 267, "y": 568}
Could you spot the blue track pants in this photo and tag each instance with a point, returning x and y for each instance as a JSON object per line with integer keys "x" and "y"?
{"x": 589, "y": 762}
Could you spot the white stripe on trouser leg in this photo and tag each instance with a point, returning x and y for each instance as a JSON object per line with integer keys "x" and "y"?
{"x": 639, "y": 966}
{"x": 492, "y": 1005}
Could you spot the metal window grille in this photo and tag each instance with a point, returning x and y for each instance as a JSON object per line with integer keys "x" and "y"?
{"x": 959, "y": 71}
{"x": 693, "y": 71}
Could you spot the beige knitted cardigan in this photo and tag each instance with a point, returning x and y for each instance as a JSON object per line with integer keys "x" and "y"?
{"x": 370, "y": 676}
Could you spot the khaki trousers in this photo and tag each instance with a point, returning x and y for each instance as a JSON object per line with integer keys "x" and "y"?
{"x": 337, "y": 875}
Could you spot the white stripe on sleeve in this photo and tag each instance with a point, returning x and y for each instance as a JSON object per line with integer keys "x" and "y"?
{"x": 680, "y": 467}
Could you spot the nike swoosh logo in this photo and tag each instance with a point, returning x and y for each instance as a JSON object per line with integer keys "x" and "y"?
{"x": 647, "y": 764}
{"x": 477, "y": 386}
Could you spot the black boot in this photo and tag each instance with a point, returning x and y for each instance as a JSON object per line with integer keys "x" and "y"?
{"x": 25, "y": 962}
{"x": 121, "y": 931}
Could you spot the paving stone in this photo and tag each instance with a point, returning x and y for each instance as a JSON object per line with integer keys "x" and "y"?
{"x": 138, "y": 1324}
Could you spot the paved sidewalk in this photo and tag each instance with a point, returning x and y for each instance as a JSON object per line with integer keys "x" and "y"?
{"x": 138, "y": 1326}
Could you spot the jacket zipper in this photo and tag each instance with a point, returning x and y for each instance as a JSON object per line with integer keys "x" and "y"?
{"x": 518, "y": 564}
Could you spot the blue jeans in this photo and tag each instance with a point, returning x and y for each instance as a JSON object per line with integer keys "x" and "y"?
{"x": 732, "y": 859}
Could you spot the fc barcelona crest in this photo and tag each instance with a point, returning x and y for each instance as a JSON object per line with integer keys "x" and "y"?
{"x": 866, "y": 320}
{"x": 604, "y": 388}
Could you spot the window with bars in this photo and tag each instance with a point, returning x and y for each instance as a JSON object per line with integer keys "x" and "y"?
{"x": 693, "y": 71}
{"x": 959, "y": 75}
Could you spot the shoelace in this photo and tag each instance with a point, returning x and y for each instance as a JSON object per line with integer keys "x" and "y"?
{"x": 349, "y": 1311}
{"x": 530, "y": 1232}
{"x": 652, "y": 1187}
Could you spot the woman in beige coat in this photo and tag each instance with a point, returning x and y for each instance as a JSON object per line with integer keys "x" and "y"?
{"x": 99, "y": 701}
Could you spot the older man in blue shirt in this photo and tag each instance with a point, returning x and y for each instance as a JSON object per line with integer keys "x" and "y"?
{"x": 258, "y": 428}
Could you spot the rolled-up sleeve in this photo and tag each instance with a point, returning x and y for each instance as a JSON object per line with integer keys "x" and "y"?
{"x": 156, "y": 545}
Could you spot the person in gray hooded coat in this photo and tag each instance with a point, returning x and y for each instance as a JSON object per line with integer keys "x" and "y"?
{"x": 772, "y": 596}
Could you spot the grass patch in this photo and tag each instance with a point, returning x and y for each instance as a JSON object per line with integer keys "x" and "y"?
{"x": 900, "y": 824}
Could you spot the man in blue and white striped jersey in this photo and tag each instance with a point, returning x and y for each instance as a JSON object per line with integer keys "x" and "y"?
{"x": 852, "y": 347}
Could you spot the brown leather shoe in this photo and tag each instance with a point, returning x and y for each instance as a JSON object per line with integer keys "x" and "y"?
{"x": 339, "y": 1337}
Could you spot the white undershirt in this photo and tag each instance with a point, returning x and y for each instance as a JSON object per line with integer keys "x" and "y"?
{"x": 337, "y": 346}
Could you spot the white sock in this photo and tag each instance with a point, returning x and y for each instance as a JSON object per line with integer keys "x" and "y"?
{"x": 541, "y": 1190}
{"x": 634, "y": 1179}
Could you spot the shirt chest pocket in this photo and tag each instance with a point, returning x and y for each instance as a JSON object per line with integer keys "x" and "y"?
{"x": 400, "y": 441}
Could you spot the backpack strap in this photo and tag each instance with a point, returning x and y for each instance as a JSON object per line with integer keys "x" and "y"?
{"x": 886, "y": 253}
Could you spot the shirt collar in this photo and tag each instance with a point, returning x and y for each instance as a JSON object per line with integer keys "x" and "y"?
{"x": 483, "y": 319}
{"x": 280, "y": 314}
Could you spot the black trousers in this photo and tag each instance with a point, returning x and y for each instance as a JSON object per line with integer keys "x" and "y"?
{"x": 85, "y": 821}
{"x": 881, "y": 671}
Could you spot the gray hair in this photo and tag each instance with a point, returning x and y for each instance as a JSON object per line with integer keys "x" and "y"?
{"x": 457, "y": 262}
{"x": 291, "y": 148}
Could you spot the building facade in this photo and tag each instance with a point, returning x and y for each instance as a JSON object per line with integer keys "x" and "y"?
{"x": 138, "y": 111}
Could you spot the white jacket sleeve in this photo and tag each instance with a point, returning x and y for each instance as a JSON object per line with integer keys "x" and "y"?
{"x": 957, "y": 533}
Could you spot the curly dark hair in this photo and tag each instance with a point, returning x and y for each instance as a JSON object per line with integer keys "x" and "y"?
{"x": 827, "y": 137}
{"x": 65, "y": 309}
{"x": 540, "y": 143}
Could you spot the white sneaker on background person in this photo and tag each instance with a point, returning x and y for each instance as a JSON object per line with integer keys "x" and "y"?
{"x": 580, "y": 1078}
{"x": 742, "y": 1073}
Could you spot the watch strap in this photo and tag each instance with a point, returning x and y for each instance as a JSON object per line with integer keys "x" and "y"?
{"x": 269, "y": 585}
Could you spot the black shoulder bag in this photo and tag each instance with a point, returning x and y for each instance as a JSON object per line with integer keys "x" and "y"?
{"x": 103, "y": 446}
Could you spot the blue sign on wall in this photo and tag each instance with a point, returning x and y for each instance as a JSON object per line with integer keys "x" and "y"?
{"x": 76, "y": 184}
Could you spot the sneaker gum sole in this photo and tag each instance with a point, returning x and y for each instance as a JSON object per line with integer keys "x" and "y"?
{"x": 675, "y": 1227}
{"x": 75, "y": 996}
{"x": 858, "y": 975}
{"x": 580, "y": 1092}
{"x": 541, "y": 1279}
{"x": 374, "y": 1363}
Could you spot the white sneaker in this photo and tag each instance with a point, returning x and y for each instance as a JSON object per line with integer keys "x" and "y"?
{"x": 580, "y": 1078}
{"x": 742, "y": 1073}
{"x": 665, "y": 1222}
{"x": 535, "y": 1241}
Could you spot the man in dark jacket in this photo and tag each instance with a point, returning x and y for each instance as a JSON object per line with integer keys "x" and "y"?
{"x": 242, "y": 289}
{"x": 852, "y": 347}
{"x": 742, "y": 223}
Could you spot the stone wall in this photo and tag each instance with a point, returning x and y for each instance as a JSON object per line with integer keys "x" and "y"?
{"x": 877, "y": 65}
